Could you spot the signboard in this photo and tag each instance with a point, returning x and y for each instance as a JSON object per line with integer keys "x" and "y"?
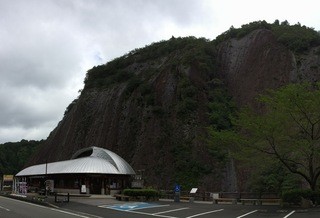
{"x": 83, "y": 189}
{"x": 214, "y": 195}
{"x": 177, "y": 188}
{"x": 50, "y": 185}
{"x": 7, "y": 178}
{"x": 193, "y": 190}
{"x": 22, "y": 188}
{"x": 137, "y": 184}
{"x": 7, "y": 182}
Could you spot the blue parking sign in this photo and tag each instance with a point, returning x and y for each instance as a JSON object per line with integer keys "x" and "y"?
{"x": 177, "y": 188}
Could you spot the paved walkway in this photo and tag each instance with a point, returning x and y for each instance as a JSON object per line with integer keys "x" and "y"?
{"x": 94, "y": 200}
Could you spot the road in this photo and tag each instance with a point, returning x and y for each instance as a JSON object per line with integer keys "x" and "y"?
{"x": 187, "y": 210}
{"x": 10, "y": 208}
{"x": 191, "y": 210}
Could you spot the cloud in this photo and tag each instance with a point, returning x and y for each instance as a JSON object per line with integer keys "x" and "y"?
{"x": 47, "y": 46}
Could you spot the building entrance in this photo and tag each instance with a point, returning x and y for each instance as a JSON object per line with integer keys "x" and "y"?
{"x": 95, "y": 186}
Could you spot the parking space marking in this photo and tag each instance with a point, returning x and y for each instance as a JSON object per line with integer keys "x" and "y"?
{"x": 150, "y": 214}
{"x": 169, "y": 211}
{"x": 289, "y": 214}
{"x": 247, "y": 214}
{"x": 201, "y": 214}
{"x": 132, "y": 206}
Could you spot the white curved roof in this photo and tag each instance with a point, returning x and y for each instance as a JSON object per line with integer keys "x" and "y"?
{"x": 92, "y": 160}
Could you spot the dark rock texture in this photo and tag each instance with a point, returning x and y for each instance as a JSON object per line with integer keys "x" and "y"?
{"x": 150, "y": 136}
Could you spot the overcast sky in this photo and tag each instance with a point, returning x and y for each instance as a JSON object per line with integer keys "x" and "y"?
{"x": 47, "y": 46}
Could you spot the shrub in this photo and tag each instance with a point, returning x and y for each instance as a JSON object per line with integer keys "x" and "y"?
{"x": 148, "y": 193}
{"x": 295, "y": 196}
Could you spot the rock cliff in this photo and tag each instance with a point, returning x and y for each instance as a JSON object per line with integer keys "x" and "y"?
{"x": 258, "y": 62}
{"x": 151, "y": 105}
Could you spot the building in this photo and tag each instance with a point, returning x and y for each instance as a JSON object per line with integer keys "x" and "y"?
{"x": 90, "y": 170}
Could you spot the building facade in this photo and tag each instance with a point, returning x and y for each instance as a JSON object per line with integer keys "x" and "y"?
{"x": 90, "y": 170}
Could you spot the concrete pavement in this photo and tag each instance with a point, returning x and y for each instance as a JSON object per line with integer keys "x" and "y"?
{"x": 97, "y": 206}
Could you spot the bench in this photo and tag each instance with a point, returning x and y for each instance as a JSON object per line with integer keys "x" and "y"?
{"x": 251, "y": 201}
{"x": 120, "y": 197}
{"x": 270, "y": 201}
{"x": 187, "y": 198}
{"x": 231, "y": 200}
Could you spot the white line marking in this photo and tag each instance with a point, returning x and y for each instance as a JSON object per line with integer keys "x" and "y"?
{"x": 66, "y": 212}
{"x": 149, "y": 214}
{"x": 153, "y": 206}
{"x": 168, "y": 211}
{"x": 289, "y": 214}
{"x": 24, "y": 202}
{"x": 247, "y": 214}
{"x": 200, "y": 214}
{"x": 90, "y": 215}
{"x": 36, "y": 205}
{"x": 4, "y": 208}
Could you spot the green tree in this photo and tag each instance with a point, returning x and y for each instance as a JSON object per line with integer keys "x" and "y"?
{"x": 14, "y": 155}
{"x": 287, "y": 131}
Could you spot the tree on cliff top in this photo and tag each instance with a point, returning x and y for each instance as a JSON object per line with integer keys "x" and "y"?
{"x": 288, "y": 131}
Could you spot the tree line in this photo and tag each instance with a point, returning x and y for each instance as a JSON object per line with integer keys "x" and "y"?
{"x": 14, "y": 155}
{"x": 281, "y": 144}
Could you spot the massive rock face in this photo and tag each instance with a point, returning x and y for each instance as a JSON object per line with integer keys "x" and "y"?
{"x": 148, "y": 128}
{"x": 254, "y": 63}
{"x": 258, "y": 62}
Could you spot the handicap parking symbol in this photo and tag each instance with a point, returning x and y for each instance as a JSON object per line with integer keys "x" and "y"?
{"x": 131, "y": 206}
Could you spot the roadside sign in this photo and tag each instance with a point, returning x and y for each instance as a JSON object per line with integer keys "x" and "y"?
{"x": 177, "y": 188}
{"x": 193, "y": 190}
{"x": 7, "y": 178}
{"x": 49, "y": 185}
{"x": 22, "y": 188}
{"x": 83, "y": 189}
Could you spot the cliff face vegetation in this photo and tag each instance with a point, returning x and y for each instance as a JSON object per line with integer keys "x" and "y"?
{"x": 153, "y": 106}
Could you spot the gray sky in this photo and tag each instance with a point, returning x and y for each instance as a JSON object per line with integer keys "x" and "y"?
{"x": 47, "y": 46}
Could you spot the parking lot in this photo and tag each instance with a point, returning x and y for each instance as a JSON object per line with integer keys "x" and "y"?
{"x": 111, "y": 208}
{"x": 190, "y": 210}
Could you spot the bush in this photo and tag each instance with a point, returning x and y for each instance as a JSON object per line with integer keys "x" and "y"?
{"x": 148, "y": 193}
{"x": 295, "y": 196}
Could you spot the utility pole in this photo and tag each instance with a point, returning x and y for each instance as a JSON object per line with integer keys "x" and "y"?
{"x": 46, "y": 178}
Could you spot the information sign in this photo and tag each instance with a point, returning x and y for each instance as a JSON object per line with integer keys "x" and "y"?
{"x": 177, "y": 188}
{"x": 193, "y": 190}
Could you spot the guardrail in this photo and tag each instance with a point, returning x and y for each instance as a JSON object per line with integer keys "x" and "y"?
{"x": 231, "y": 197}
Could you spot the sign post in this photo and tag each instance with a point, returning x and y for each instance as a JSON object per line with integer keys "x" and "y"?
{"x": 177, "y": 190}
{"x": 192, "y": 194}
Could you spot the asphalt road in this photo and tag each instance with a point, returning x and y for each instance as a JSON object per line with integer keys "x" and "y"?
{"x": 10, "y": 208}
{"x": 185, "y": 210}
